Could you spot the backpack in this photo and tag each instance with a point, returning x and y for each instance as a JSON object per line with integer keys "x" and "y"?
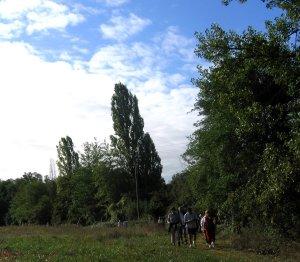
{"x": 174, "y": 218}
{"x": 193, "y": 221}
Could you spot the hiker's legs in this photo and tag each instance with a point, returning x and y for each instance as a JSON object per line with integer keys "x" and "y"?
{"x": 185, "y": 235}
{"x": 180, "y": 233}
{"x": 178, "y": 236}
{"x": 210, "y": 239}
{"x": 206, "y": 237}
{"x": 194, "y": 239}
{"x": 172, "y": 230}
{"x": 190, "y": 239}
{"x": 213, "y": 239}
{"x": 173, "y": 236}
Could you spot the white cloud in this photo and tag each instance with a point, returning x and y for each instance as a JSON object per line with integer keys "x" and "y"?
{"x": 80, "y": 49}
{"x": 136, "y": 64}
{"x": 120, "y": 28}
{"x": 11, "y": 30}
{"x": 65, "y": 56}
{"x": 172, "y": 42}
{"x": 44, "y": 101}
{"x": 124, "y": 62}
{"x": 169, "y": 123}
{"x": 114, "y": 3}
{"x": 89, "y": 10}
{"x": 37, "y": 15}
{"x": 44, "y": 21}
{"x": 15, "y": 9}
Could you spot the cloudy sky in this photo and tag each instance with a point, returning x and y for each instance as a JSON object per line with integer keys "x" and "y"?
{"x": 59, "y": 60}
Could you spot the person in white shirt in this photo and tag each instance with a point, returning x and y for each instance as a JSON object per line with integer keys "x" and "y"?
{"x": 191, "y": 222}
{"x": 202, "y": 224}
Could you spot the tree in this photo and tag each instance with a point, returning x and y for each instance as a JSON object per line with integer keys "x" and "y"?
{"x": 292, "y": 7}
{"x": 243, "y": 157}
{"x": 68, "y": 160}
{"x": 94, "y": 154}
{"x": 31, "y": 203}
{"x": 133, "y": 146}
{"x": 128, "y": 125}
{"x": 8, "y": 189}
{"x": 149, "y": 167}
{"x": 180, "y": 192}
{"x": 108, "y": 179}
{"x": 83, "y": 203}
{"x": 68, "y": 164}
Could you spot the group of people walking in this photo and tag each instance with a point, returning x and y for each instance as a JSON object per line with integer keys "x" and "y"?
{"x": 184, "y": 224}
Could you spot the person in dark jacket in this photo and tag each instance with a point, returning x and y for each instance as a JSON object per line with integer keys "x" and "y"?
{"x": 182, "y": 230}
{"x": 174, "y": 225}
{"x": 209, "y": 229}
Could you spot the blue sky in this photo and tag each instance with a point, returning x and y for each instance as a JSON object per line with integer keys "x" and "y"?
{"x": 61, "y": 58}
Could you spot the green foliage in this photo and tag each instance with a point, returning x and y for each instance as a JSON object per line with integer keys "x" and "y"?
{"x": 75, "y": 201}
{"x": 68, "y": 160}
{"x": 94, "y": 154}
{"x": 32, "y": 203}
{"x": 180, "y": 191}
{"x": 135, "y": 149}
{"x": 63, "y": 199}
{"x": 109, "y": 180}
{"x": 244, "y": 156}
{"x": 258, "y": 239}
{"x": 95, "y": 187}
{"x": 83, "y": 203}
{"x": 128, "y": 125}
{"x": 149, "y": 167}
{"x": 291, "y": 6}
{"x": 8, "y": 189}
{"x": 158, "y": 204}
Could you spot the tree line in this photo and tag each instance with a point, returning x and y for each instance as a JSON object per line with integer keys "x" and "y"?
{"x": 120, "y": 180}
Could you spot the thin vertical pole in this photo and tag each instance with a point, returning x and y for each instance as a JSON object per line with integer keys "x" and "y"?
{"x": 136, "y": 190}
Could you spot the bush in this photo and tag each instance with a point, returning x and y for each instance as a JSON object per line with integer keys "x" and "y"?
{"x": 258, "y": 240}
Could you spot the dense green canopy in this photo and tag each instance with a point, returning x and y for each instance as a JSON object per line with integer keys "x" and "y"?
{"x": 244, "y": 157}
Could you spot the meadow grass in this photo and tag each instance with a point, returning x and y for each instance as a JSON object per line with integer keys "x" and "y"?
{"x": 135, "y": 243}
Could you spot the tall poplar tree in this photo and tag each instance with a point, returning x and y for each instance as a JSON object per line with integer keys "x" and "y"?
{"x": 136, "y": 149}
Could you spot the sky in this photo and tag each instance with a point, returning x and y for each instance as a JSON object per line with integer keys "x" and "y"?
{"x": 60, "y": 59}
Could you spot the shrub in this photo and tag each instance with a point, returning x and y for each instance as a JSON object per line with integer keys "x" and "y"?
{"x": 261, "y": 241}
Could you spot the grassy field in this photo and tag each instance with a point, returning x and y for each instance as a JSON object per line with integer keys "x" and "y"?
{"x": 136, "y": 243}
